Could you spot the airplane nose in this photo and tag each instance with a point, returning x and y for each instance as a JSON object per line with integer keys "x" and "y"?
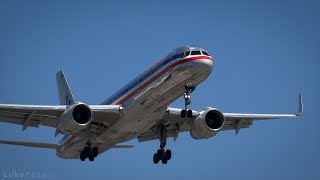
{"x": 205, "y": 65}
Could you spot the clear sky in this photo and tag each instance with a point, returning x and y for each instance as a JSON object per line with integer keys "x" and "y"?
{"x": 265, "y": 54}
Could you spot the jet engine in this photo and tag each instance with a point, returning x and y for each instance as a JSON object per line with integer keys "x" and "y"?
{"x": 75, "y": 118}
{"x": 207, "y": 124}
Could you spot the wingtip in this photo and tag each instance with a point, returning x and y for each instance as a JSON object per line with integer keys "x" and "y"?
{"x": 60, "y": 72}
{"x": 300, "y": 110}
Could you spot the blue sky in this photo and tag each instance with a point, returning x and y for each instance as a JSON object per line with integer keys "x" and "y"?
{"x": 265, "y": 54}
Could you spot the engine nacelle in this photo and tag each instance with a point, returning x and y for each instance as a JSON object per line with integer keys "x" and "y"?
{"x": 207, "y": 124}
{"x": 75, "y": 118}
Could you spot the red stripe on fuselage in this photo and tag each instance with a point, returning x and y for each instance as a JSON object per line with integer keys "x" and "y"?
{"x": 160, "y": 74}
{"x": 70, "y": 139}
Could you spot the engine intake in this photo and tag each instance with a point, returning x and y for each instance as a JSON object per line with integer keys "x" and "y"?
{"x": 207, "y": 124}
{"x": 81, "y": 114}
{"x": 75, "y": 118}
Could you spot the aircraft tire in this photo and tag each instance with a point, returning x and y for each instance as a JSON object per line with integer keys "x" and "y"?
{"x": 164, "y": 160}
{"x": 91, "y": 156}
{"x": 189, "y": 113}
{"x": 168, "y": 154}
{"x": 183, "y": 113}
{"x": 95, "y": 151}
{"x": 155, "y": 159}
{"x": 82, "y": 156}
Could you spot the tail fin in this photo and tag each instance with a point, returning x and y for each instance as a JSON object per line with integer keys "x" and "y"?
{"x": 65, "y": 94}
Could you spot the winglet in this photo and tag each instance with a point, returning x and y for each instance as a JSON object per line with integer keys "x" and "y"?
{"x": 65, "y": 94}
{"x": 300, "y": 111}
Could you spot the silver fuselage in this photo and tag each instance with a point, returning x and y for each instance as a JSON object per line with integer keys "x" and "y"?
{"x": 145, "y": 100}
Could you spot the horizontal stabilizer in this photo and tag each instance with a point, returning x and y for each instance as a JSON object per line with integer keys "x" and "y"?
{"x": 122, "y": 146}
{"x": 31, "y": 144}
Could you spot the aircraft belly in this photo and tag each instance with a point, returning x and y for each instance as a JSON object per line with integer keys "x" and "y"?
{"x": 73, "y": 150}
{"x": 167, "y": 91}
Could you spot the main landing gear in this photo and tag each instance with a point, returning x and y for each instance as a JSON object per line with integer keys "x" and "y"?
{"x": 88, "y": 152}
{"x": 187, "y": 96}
{"x": 162, "y": 155}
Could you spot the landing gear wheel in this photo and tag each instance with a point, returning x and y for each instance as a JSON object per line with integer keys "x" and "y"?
{"x": 160, "y": 153}
{"x": 82, "y": 156}
{"x": 164, "y": 161}
{"x": 91, "y": 158}
{"x": 183, "y": 113}
{"x": 163, "y": 155}
{"x": 189, "y": 113}
{"x": 168, "y": 154}
{"x": 95, "y": 151}
{"x": 88, "y": 152}
{"x": 155, "y": 159}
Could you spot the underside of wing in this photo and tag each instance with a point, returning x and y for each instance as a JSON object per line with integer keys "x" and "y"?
{"x": 208, "y": 122}
{"x": 31, "y": 115}
{"x": 31, "y": 144}
{"x": 50, "y": 115}
{"x": 237, "y": 121}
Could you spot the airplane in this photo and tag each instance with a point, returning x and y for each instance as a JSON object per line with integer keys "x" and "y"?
{"x": 138, "y": 110}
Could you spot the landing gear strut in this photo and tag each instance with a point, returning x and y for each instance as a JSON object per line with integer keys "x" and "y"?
{"x": 162, "y": 154}
{"x": 187, "y": 96}
{"x": 88, "y": 152}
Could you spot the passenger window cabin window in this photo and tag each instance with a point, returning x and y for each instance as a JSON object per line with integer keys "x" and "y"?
{"x": 195, "y": 53}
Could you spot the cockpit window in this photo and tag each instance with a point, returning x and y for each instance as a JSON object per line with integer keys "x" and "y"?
{"x": 185, "y": 54}
{"x": 205, "y": 53}
{"x": 195, "y": 53}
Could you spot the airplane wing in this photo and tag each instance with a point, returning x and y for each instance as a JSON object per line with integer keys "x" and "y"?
{"x": 48, "y": 115}
{"x": 233, "y": 121}
{"x": 31, "y": 144}
{"x": 49, "y": 145}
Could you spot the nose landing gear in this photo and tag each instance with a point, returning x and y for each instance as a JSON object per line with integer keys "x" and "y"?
{"x": 187, "y": 96}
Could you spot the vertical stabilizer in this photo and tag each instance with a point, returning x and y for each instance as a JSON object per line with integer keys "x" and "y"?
{"x": 65, "y": 94}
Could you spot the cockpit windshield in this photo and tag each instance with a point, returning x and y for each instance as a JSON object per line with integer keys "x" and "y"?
{"x": 192, "y": 53}
{"x": 205, "y": 53}
{"x": 195, "y": 52}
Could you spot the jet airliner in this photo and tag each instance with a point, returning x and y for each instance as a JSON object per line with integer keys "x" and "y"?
{"x": 138, "y": 110}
